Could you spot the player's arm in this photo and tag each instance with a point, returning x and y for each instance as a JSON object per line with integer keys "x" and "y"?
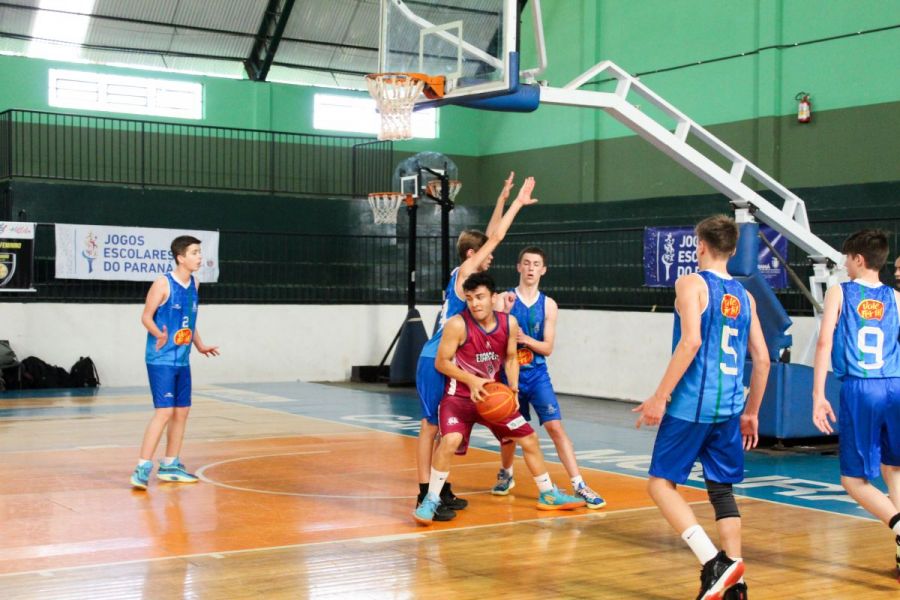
{"x": 501, "y": 202}
{"x": 156, "y": 296}
{"x": 511, "y": 364}
{"x": 545, "y": 347}
{"x": 688, "y": 290}
{"x": 203, "y": 348}
{"x": 470, "y": 265}
{"x": 759, "y": 355}
{"x": 821, "y": 406}
{"x": 453, "y": 337}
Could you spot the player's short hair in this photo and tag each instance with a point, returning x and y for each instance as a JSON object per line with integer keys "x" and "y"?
{"x": 871, "y": 244}
{"x": 533, "y": 250}
{"x": 476, "y": 280}
{"x": 720, "y": 233}
{"x": 181, "y": 244}
{"x": 469, "y": 239}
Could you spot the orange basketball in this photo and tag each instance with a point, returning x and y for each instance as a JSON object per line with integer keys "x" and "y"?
{"x": 498, "y": 404}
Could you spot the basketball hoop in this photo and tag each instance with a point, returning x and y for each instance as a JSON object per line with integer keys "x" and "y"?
{"x": 395, "y": 95}
{"x": 385, "y": 204}
{"x": 433, "y": 188}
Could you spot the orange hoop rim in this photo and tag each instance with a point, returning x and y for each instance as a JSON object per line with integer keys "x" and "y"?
{"x": 433, "y": 187}
{"x": 433, "y": 88}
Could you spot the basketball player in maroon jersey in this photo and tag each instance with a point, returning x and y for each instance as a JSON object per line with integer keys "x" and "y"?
{"x": 476, "y": 346}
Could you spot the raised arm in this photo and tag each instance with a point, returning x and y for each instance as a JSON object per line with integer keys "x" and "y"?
{"x": 759, "y": 355}
{"x": 822, "y": 411}
{"x": 545, "y": 347}
{"x": 511, "y": 364}
{"x": 501, "y": 202}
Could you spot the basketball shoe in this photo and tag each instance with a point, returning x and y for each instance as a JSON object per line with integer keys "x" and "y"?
{"x": 718, "y": 575}
{"x": 175, "y": 472}
{"x": 505, "y": 483}
{"x": 427, "y": 510}
{"x": 141, "y": 476}
{"x": 590, "y": 497}
{"x": 451, "y": 500}
{"x": 557, "y": 500}
{"x": 738, "y": 592}
{"x": 443, "y": 512}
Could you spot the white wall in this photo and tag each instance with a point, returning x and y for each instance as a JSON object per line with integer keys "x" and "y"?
{"x": 607, "y": 354}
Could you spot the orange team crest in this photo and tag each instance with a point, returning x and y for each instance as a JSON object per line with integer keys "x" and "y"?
{"x": 183, "y": 337}
{"x": 525, "y": 356}
{"x": 870, "y": 310}
{"x": 731, "y": 306}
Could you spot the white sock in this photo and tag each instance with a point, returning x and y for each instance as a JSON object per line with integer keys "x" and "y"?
{"x": 169, "y": 460}
{"x": 509, "y": 471}
{"x": 142, "y": 462}
{"x": 577, "y": 481}
{"x": 436, "y": 483}
{"x": 896, "y": 528}
{"x": 700, "y": 544}
{"x": 543, "y": 483}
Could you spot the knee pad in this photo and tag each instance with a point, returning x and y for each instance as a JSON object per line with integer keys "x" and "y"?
{"x": 721, "y": 496}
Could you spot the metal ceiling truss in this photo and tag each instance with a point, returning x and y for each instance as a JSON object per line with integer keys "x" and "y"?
{"x": 268, "y": 38}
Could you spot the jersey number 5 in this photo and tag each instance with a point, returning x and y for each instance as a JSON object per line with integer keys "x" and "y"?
{"x": 727, "y": 334}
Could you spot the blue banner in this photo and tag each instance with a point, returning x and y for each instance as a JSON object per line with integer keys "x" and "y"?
{"x": 670, "y": 252}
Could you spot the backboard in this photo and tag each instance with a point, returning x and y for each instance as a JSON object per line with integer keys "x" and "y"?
{"x": 472, "y": 43}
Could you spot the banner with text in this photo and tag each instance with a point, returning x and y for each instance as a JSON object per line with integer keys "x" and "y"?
{"x": 670, "y": 252}
{"x": 16, "y": 256}
{"x": 127, "y": 253}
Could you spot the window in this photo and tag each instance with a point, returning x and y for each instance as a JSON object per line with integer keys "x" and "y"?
{"x": 357, "y": 115}
{"x": 132, "y": 95}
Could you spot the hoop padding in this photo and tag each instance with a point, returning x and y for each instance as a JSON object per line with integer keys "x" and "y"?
{"x": 433, "y": 188}
{"x": 395, "y": 95}
{"x": 384, "y": 206}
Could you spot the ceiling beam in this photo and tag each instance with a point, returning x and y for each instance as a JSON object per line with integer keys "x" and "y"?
{"x": 268, "y": 38}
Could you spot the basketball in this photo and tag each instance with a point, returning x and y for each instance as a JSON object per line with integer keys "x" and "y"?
{"x": 498, "y": 404}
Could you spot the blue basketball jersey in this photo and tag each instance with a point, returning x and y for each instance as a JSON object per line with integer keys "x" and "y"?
{"x": 531, "y": 322}
{"x": 452, "y": 306}
{"x": 712, "y": 388}
{"x": 865, "y": 339}
{"x": 179, "y": 315}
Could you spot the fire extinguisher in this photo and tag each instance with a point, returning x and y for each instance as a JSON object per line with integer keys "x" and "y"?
{"x": 804, "y": 108}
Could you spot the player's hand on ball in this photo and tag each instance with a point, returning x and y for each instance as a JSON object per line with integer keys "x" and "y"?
{"x": 477, "y": 389}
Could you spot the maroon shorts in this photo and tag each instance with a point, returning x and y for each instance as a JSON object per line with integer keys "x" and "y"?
{"x": 458, "y": 415}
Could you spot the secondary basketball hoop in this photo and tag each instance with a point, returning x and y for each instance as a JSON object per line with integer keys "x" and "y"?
{"x": 433, "y": 188}
{"x": 395, "y": 95}
{"x": 385, "y": 204}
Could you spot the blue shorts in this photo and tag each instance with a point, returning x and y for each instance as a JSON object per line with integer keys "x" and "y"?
{"x": 535, "y": 390}
{"x": 869, "y": 417}
{"x": 170, "y": 386}
{"x": 718, "y": 446}
{"x": 430, "y": 385}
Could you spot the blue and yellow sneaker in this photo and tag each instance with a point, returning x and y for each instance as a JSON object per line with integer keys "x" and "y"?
{"x": 141, "y": 476}
{"x": 424, "y": 512}
{"x": 557, "y": 500}
{"x": 505, "y": 483}
{"x": 590, "y": 497}
{"x": 176, "y": 472}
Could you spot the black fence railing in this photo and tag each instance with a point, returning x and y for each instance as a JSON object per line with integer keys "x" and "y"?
{"x": 598, "y": 268}
{"x": 57, "y": 146}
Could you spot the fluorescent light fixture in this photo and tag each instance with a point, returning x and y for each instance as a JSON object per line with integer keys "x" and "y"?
{"x": 58, "y": 35}
{"x": 356, "y": 114}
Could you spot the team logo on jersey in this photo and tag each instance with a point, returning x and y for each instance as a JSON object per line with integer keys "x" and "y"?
{"x": 525, "y": 356}
{"x": 183, "y": 337}
{"x": 870, "y": 310}
{"x": 731, "y": 306}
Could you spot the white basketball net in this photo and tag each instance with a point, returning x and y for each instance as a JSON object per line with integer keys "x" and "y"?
{"x": 433, "y": 188}
{"x": 384, "y": 206}
{"x": 395, "y": 94}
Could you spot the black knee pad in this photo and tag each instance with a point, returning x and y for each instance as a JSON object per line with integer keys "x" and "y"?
{"x": 721, "y": 496}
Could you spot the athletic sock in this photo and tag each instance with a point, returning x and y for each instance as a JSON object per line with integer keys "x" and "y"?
{"x": 508, "y": 472}
{"x": 436, "y": 483}
{"x": 169, "y": 460}
{"x": 543, "y": 483}
{"x": 700, "y": 544}
{"x": 895, "y": 523}
{"x": 577, "y": 481}
{"x": 143, "y": 463}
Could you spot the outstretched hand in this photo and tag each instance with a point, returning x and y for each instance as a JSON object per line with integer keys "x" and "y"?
{"x": 822, "y": 412}
{"x": 651, "y": 412}
{"x": 208, "y": 350}
{"x": 524, "y": 196}
{"x": 507, "y": 186}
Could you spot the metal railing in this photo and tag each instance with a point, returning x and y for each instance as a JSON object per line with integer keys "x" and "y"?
{"x": 57, "y": 146}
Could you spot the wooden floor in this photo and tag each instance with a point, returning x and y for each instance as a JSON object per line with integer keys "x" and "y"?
{"x": 295, "y": 506}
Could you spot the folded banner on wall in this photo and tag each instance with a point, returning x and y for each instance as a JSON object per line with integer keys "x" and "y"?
{"x": 16, "y": 256}
{"x": 670, "y": 252}
{"x": 127, "y": 253}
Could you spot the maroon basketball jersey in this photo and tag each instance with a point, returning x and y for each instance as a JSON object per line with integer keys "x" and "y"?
{"x": 482, "y": 353}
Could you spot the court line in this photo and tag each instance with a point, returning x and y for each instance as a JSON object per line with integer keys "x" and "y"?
{"x": 365, "y": 540}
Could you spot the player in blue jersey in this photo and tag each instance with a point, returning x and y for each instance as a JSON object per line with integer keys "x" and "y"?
{"x": 170, "y": 316}
{"x": 536, "y": 314}
{"x": 859, "y": 330}
{"x": 475, "y": 254}
{"x": 699, "y": 405}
